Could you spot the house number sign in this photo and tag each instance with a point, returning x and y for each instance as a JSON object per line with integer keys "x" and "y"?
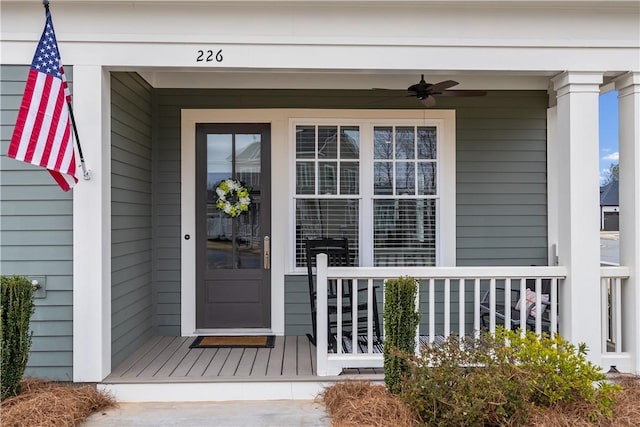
{"x": 209, "y": 55}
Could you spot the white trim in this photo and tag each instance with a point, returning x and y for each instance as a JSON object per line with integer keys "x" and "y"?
{"x": 279, "y": 172}
{"x": 579, "y": 204}
{"x": 216, "y": 392}
{"x": 629, "y": 122}
{"x": 281, "y": 205}
{"x": 553, "y": 172}
{"x": 444, "y": 121}
{"x": 92, "y": 228}
{"x": 187, "y": 225}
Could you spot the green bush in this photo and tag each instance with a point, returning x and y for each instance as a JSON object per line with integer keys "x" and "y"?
{"x": 400, "y": 325}
{"x": 16, "y": 308}
{"x": 497, "y": 380}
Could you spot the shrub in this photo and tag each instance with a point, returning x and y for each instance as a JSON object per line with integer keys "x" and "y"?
{"x": 400, "y": 322}
{"x": 16, "y": 308}
{"x": 497, "y": 380}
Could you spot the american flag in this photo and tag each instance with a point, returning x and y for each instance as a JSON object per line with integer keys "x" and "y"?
{"x": 42, "y": 135}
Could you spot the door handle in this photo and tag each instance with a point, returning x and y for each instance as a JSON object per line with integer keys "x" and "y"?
{"x": 267, "y": 253}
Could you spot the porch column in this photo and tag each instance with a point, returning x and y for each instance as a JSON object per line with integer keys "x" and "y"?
{"x": 92, "y": 229}
{"x": 628, "y": 87}
{"x": 578, "y": 206}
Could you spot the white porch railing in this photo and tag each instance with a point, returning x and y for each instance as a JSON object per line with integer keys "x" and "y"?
{"x": 611, "y": 281}
{"x": 468, "y": 280}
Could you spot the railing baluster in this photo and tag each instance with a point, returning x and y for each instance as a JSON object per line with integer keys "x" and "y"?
{"x": 523, "y": 306}
{"x": 618, "y": 313}
{"x": 476, "y": 307}
{"x": 507, "y": 303}
{"x": 447, "y": 307}
{"x": 355, "y": 329}
{"x": 553, "y": 298}
{"x": 370, "y": 316}
{"x": 461, "y": 308}
{"x": 339, "y": 328}
{"x": 322, "y": 339}
{"x": 538, "y": 316}
{"x": 604, "y": 309}
{"x": 432, "y": 310}
{"x": 418, "y": 310}
{"x": 492, "y": 305}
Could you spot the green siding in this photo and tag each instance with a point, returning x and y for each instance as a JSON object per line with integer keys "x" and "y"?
{"x": 131, "y": 244}
{"x": 501, "y": 196}
{"x": 36, "y": 239}
{"x": 501, "y": 179}
{"x": 501, "y": 174}
{"x": 501, "y": 203}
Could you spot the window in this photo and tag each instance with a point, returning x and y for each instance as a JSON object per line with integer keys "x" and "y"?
{"x": 404, "y": 195}
{"x": 327, "y": 179}
{"x": 380, "y": 183}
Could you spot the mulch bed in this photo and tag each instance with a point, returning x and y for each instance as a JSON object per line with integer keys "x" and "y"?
{"x": 46, "y": 403}
{"x": 361, "y": 403}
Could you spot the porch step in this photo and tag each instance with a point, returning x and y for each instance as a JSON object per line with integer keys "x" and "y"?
{"x": 165, "y": 369}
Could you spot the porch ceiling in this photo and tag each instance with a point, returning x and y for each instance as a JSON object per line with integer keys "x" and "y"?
{"x": 333, "y": 79}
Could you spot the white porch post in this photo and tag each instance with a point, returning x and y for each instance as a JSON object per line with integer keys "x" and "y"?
{"x": 92, "y": 229}
{"x": 578, "y": 206}
{"x": 628, "y": 87}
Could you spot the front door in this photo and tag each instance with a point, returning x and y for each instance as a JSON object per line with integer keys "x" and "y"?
{"x": 232, "y": 253}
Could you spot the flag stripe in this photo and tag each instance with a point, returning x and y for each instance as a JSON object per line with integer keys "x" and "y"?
{"x": 51, "y": 140}
{"x": 46, "y": 142}
{"x": 35, "y": 118}
{"x": 65, "y": 153}
{"x": 16, "y": 151}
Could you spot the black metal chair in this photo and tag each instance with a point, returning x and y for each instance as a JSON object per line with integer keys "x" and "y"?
{"x": 337, "y": 251}
{"x": 515, "y": 320}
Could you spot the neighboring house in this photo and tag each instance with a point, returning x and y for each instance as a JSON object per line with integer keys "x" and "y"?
{"x": 166, "y": 91}
{"x": 610, "y": 206}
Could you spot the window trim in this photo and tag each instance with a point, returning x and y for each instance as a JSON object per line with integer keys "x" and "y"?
{"x": 444, "y": 121}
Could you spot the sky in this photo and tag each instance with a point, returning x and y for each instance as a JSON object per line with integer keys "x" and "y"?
{"x": 608, "y": 132}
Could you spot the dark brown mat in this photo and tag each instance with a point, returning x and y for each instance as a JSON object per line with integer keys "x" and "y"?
{"x": 247, "y": 341}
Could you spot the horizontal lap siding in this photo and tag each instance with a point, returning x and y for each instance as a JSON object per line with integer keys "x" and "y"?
{"x": 501, "y": 197}
{"x": 36, "y": 220}
{"x": 166, "y": 215}
{"x": 501, "y": 179}
{"x": 501, "y": 173}
{"x": 131, "y": 198}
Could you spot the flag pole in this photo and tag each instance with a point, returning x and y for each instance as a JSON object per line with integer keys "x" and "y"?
{"x": 85, "y": 173}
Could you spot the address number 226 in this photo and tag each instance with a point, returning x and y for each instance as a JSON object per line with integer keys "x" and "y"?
{"x": 209, "y": 56}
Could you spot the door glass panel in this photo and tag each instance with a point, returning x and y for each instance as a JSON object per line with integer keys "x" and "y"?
{"x": 233, "y": 243}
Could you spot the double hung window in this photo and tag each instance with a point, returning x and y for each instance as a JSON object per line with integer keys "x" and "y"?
{"x": 374, "y": 182}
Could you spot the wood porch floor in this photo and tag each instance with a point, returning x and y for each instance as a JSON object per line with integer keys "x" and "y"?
{"x": 170, "y": 360}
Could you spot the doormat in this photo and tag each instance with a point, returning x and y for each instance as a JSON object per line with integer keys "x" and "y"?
{"x": 238, "y": 341}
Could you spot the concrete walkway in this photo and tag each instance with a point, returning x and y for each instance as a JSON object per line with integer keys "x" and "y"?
{"x": 280, "y": 413}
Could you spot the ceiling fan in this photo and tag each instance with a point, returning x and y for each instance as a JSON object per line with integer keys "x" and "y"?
{"x": 426, "y": 92}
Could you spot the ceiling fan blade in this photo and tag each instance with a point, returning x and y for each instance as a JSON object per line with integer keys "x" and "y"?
{"x": 462, "y": 93}
{"x": 437, "y": 87}
{"x": 429, "y": 101}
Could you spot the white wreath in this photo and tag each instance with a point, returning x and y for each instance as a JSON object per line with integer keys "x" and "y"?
{"x": 233, "y": 197}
